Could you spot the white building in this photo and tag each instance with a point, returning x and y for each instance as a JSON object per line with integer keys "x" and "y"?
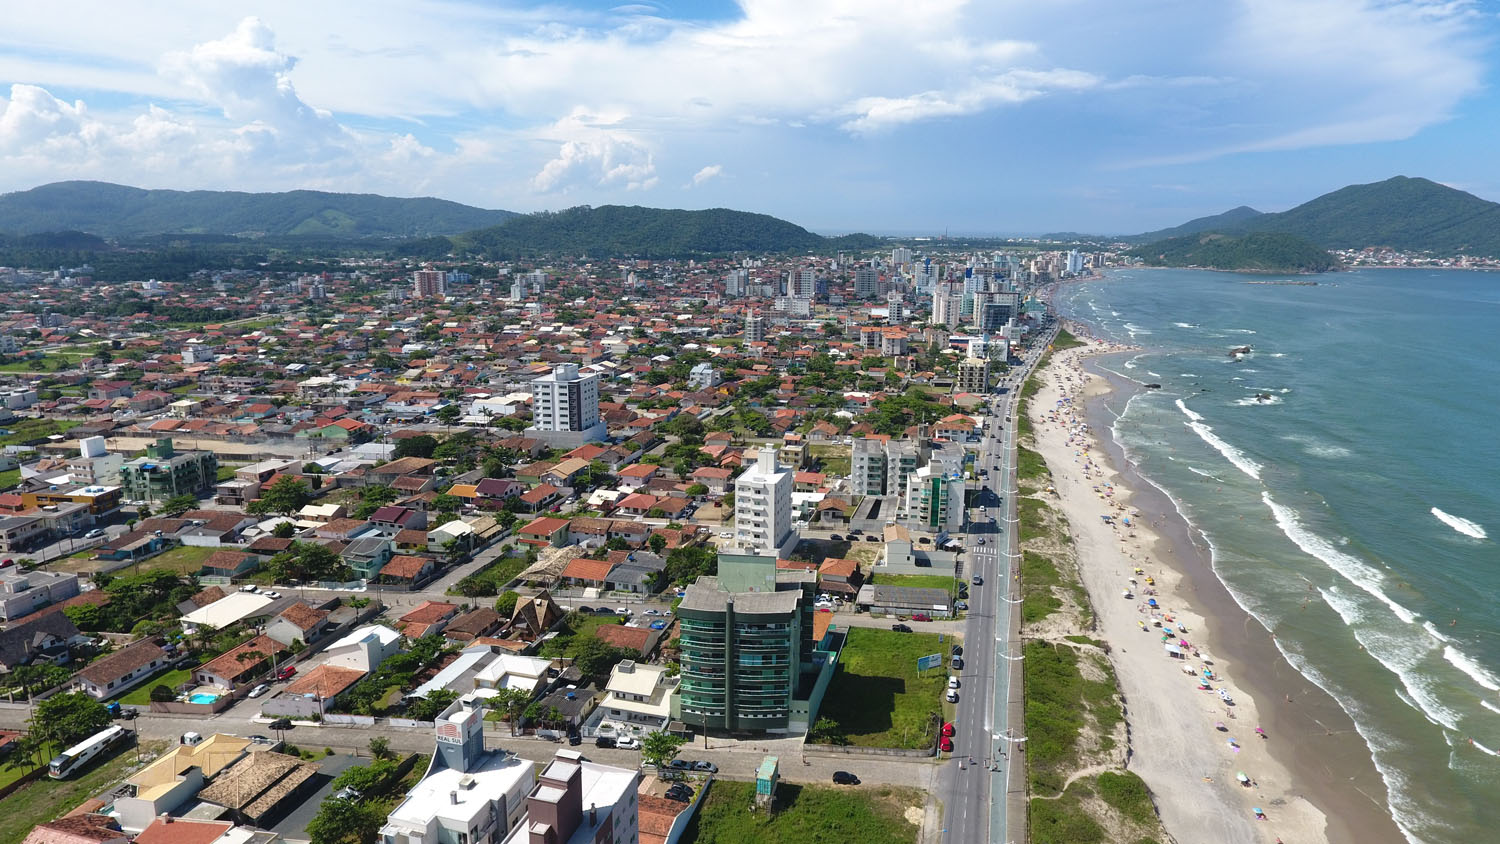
{"x": 565, "y": 406}
{"x": 900, "y": 256}
{"x": 797, "y": 306}
{"x": 576, "y": 801}
{"x": 25, "y": 592}
{"x": 469, "y": 795}
{"x": 973, "y": 376}
{"x": 804, "y": 284}
{"x": 866, "y": 282}
{"x": 763, "y": 507}
{"x": 947, "y": 306}
{"x": 895, "y": 307}
{"x": 755, "y": 327}
{"x": 364, "y": 649}
{"x": 703, "y": 376}
{"x": 638, "y": 698}
{"x": 934, "y": 499}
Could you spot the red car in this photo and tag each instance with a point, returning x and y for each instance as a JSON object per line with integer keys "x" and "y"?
{"x": 948, "y": 729}
{"x": 945, "y": 744}
{"x": 285, "y": 672}
{"x": 921, "y": 616}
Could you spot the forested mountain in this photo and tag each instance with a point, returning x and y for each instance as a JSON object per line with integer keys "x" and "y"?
{"x": 117, "y": 211}
{"x": 1254, "y": 252}
{"x": 1409, "y": 214}
{"x": 1228, "y": 221}
{"x": 619, "y": 230}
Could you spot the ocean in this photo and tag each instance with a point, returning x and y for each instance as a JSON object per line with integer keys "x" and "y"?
{"x": 1344, "y": 472}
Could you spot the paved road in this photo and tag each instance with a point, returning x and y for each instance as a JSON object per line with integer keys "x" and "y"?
{"x": 977, "y": 796}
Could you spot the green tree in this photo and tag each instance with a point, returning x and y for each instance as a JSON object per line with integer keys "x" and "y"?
{"x": 163, "y": 693}
{"x": 179, "y": 504}
{"x": 659, "y": 748}
{"x": 697, "y": 489}
{"x": 283, "y": 498}
{"x": 284, "y": 530}
{"x": 594, "y": 657}
{"x": 656, "y": 542}
{"x": 380, "y": 748}
{"x": 511, "y": 703}
{"x": 430, "y": 707}
{"x": 448, "y": 414}
{"x": 345, "y": 822}
{"x": 421, "y": 445}
{"x": 372, "y": 498}
{"x": 68, "y": 718}
{"x": 506, "y": 604}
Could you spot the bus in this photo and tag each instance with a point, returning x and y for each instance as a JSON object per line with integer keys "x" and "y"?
{"x": 85, "y": 751}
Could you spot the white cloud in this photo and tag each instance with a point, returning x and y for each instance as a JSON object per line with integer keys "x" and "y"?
{"x": 1009, "y": 88}
{"x": 592, "y": 153}
{"x": 712, "y": 171}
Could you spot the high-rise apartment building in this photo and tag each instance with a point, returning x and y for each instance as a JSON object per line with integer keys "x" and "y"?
{"x": 565, "y": 406}
{"x": 881, "y": 466}
{"x": 947, "y": 305}
{"x": 763, "y": 507}
{"x": 973, "y": 376}
{"x": 737, "y": 283}
{"x": 164, "y": 473}
{"x": 427, "y": 284}
{"x": 537, "y": 281}
{"x": 755, "y": 327}
{"x": 896, "y": 308}
{"x": 866, "y": 282}
{"x": 934, "y": 499}
{"x": 804, "y": 283}
{"x": 900, "y": 256}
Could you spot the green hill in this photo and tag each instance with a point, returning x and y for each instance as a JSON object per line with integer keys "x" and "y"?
{"x": 618, "y": 230}
{"x": 1232, "y": 219}
{"x": 1254, "y": 252}
{"x": 1409, "y": 214}
{"x": 1404, "y": 213}
{"x": 117, "y": 211}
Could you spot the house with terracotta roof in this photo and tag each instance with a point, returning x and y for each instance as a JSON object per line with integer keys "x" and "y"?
{"x": 545, "y": 531}
{"x": 298, "y": 623}
{"x": 239, "y": 666}
{"x": 715, "y": 478}
{"x": 582, "y": 571}
{"x": 637, "y": 475}
{"x": 840, "y": 577}
{"x": 113, "y": 673}
{"x": 638, "y": 504}
{"x": 231, "y": 563}
{"x": 77, "y": 829}
{"x": 541, "y": 497}
{"x": 473, "y": 624}
{"x": 639, "y": 640}
{"x": 321, "y": 686}
{"x": 429, "y": 618}
{"x": 408, "y": 569}
{"x": 170, "y": 830}
{"x": 394, "y": 517}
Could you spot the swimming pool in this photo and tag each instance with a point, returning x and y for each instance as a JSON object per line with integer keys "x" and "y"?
{"x": 203, "y": 697}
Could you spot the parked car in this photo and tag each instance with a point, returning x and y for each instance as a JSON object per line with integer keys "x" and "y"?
{"x": 259, "y": 690}
{"x": 956, "y": 650}
{"x": 271, "y": 593}
{"x": 622, "y": 611}
{"x": 679, "y": 796}
{"x": 961, "y": 605}
{"x": 952, "y": 696}
{"x": 94, "y": 534}
{"x": 900, "y": 628}
{"x": 921, "y": 616}
{"x": 844, "y": 778}
{"x": 286, "y": 672}
{"x": 945, "y": 744}
{"x": 249, "y": 587}
{"x": 658, "y": 625}
{"x": 604, "y": 741}
{"x": 680, "y": 765}
{"x": 586, "y": 610}
{"x": 654, "y": 611}
{"x": 574, "y": 739}
{"x": 628, "y": 743}
{"x": 681, "y": 788}
{"x": 977, "y": 580}
{"x": 259, "y": 739}
{"x": 706, "y": 767}
{"x": 952, "y": 682}
{"x": 957, "y": 663}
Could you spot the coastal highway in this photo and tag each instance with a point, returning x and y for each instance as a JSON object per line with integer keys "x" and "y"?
{"x": 976, "y": 796}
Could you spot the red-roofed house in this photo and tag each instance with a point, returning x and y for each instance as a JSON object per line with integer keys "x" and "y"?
{"x": 430, "y": 617}
{"x": 545, "y": 531}
{"x": 638, "y": 504}
{"x": 404, "y": 568}
{"x": 637, "y": 475}
{"x": 581, "y": 571}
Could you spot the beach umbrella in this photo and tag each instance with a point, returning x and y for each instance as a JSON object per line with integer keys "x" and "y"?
{"x": 1219, "y": 725}
{"x": 1242, "y": 778}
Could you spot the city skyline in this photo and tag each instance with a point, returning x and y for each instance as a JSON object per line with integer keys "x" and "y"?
{"x": 972, "y": 117}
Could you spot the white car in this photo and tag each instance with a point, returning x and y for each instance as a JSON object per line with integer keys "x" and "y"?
{"x": 259, "y": 690}
{"x": 249, "y": 587}
{"x": 622, "y": 611}
{"x": 628, "y": 743}
{"x": 952, "y": 682}
{"x": 271, "y": 594}
{"x": 724, "y": 534}
{"x": 952, "y": 696}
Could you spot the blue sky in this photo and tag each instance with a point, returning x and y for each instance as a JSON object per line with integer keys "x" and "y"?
{"x": 1006, "y": 116}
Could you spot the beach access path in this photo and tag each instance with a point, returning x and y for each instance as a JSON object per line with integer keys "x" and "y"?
{"x": 1188, "y": 763}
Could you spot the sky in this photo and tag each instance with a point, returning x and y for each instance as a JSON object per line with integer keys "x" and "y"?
{"x": 886, "y": 116}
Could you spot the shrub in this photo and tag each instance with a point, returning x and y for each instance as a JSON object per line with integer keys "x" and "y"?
{"x": 161, "y": 693}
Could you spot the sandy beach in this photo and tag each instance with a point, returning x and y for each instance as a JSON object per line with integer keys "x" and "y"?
{"x": 1179, "y": 748}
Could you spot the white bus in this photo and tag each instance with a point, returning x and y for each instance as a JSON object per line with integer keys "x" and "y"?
{"x": 83, "y": 752}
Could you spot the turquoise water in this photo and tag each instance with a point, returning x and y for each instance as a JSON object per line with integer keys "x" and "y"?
{"x": 1344, "y": 473}
{"x": 202, "y": 697}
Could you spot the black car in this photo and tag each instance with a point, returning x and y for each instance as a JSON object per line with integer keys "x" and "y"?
{"x": 901, "y": 628}
{"x": 679, "y": 797}
{"x": 844, "y": 778}
{"x": 604, "y": 741}
{"x": 574, "y": 739}
{"x": 977, "y": 580}
{"x": 957, "y": 650}
{"x": 586, "y": 610}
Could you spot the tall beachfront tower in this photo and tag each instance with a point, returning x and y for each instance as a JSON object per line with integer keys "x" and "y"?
{"x": 565, "y": 408}
{"x": 763, "y": 506}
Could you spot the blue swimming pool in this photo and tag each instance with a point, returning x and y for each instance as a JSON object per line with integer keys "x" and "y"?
{"x": 203, "y": 697}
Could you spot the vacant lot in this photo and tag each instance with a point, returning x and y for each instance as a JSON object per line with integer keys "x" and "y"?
{"x": 806, "y": 813}
{"x": 877, "y": 698}
{"x": 47, "y": 799}
{"x": 183, "y": 559}
{"x": 920, "y": 581}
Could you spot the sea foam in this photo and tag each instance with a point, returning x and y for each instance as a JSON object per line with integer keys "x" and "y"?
{"x": 1465, "y": 663}
{"x": 1462, "y": 525}
{"x": 1353, "y": 570}
{"x": 1232, "y": 454}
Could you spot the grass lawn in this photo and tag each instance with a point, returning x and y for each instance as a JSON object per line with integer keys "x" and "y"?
{"x": 30, "y": 429}
{"x": 877, "y": 697}
{"x": 9, "y": 478}
{"x": 184, "y": 559}
{"x": 836, "y": 466}
{"x": 141, "y": 695}
{"x": 47, "y": 799}
{"x": 805, "y": 813}
{"x": 920, "y": 581}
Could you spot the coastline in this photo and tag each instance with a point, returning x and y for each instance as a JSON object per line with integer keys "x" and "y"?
{"x": 1302, "y": 771}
